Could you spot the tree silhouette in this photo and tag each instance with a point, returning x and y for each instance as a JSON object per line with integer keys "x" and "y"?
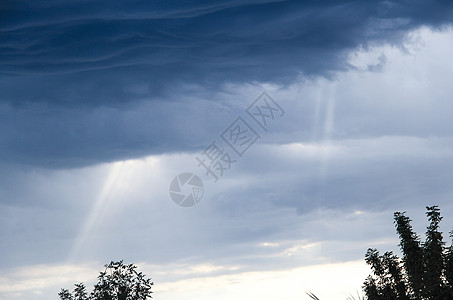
{"x": 117, "y": 282}
{"x": 65, "y": 295}
{"x": 425, "y": 272}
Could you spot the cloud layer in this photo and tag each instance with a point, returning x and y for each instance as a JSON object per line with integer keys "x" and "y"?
{"x": 90, "y": 53}
{"x": 85, "y": 82}
{"x": 130, "y": 94}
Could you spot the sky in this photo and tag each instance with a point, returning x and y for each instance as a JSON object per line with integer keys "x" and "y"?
{"x": 347, "y": 111}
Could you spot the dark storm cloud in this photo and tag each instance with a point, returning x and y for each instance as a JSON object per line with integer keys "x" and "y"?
{"x": 90, "y": 52}
{"x": 72, "y": 73}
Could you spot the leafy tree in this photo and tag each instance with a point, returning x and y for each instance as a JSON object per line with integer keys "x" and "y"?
{"x": 117, "y": 282}
{"x": 425, "y": 272}
{"x": 65, "y": 295}
{"x": 80, "y": 292}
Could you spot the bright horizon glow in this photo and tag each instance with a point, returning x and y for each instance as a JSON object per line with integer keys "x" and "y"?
{"x": 343, "y": 279}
